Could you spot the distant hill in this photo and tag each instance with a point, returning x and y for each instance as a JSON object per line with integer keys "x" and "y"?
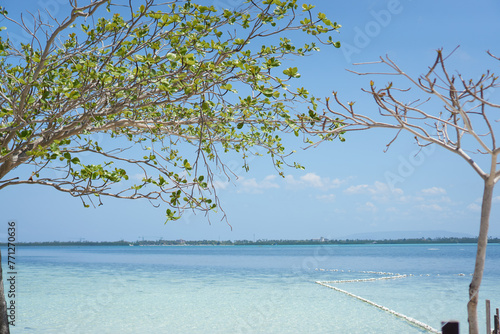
{"x": 395, "y": 235}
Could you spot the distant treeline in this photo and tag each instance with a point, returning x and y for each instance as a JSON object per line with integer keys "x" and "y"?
{"x": 260, "y": 242}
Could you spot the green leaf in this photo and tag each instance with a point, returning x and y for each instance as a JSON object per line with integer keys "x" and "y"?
{"x": 306, "y": 8}
{"x": 239, "y": 41}
{"x": 171, "y": 215}
{"x": 292, "y": 72}
{"x": 171, "y": 56}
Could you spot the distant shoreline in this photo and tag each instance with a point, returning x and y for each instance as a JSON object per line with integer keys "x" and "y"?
{"x": 181, "y": 242}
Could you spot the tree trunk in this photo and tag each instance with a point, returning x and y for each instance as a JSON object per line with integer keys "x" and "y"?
{"x": 4, "y": 322}
{"x": 482, "y": 242}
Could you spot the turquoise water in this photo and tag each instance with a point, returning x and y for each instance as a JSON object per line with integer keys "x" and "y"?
{"x": 245, "y": 289}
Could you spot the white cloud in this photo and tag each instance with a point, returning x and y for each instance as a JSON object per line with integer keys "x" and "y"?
{"x": 433, "y": 191}
{"x": 496, "y": 199}
{"x": 368, "y": 207}
{"x": 137, "y": 177}
{"x": 326, "y": 198}
{"x": 445, "y": 199}
{"x": 474, "y": 207}
{"x": 359, "y": 189}
{"x": 378, "y": 189}
{"x": 255, "y": 186}
{"x": 430, "y": 207}
{"x": 314, "y": 181}
{"x": 219, "y": 185}
{"x": 411, "y": 199}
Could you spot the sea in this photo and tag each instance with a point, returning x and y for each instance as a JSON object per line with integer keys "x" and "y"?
{"x": 246, "y": 289}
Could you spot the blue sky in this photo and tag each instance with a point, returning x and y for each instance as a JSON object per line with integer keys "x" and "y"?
{"x": 346, "y": 188}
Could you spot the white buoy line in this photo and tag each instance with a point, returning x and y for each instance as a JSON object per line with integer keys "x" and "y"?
{"x": 397, "y": 314}
{"x": 364, "y": 279}
{"x": 382, "y": 273}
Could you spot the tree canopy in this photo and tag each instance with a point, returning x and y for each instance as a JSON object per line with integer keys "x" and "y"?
{"x": 169, "y": 86}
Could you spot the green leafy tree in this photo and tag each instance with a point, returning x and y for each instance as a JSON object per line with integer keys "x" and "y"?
{"x": 447, "y": 110}
{"x": 169, "y": 87}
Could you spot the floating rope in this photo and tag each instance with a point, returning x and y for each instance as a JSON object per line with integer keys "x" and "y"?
{"x": 364, "y": 279}
{"x": 363, "y": 271}
{"x": 397, "y": 314}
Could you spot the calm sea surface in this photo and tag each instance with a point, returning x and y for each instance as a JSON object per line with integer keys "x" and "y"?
{"x": 245, "y": 289}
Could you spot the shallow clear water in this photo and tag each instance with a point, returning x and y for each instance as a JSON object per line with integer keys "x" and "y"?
{"x": 244, "y": 289}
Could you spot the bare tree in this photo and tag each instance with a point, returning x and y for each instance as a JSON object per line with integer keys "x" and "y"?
{"x": 466, "y": 125}
{"x": 167, "y": 86}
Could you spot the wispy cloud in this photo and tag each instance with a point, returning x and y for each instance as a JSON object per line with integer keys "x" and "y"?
{"x": 430, "y": 207}
{"x": 327, "y": 198}
{"x": 313, "y": 180}
{"x": 378, "y": 189}
{"x": 220, "y": 185}
{"x": 309, "y": 180}
{"x": 474, "y": 207}
{"x": 368, "y": 207}
{"x": 137, "y": 177}
{"x": 433, "y": 191}
{"x": 256, "y": 186}
{"x": 394, "y": 201}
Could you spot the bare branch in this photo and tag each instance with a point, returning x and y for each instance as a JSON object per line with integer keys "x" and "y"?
{"x": 459, "y": 106}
